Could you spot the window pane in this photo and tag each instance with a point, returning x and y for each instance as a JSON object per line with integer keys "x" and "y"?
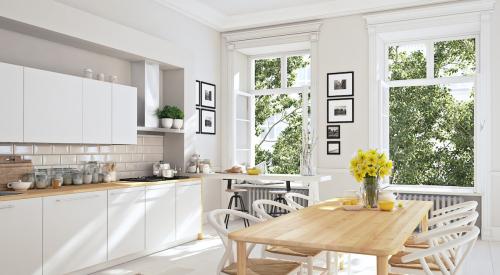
{"x": 432, "y": 135}
{"x": 278, "y": 132}
{"x": 407, "y": 62}
{"x": 455, "y": 58}
{"x": 267, "y": 73}
{"x": 299, "y": 71}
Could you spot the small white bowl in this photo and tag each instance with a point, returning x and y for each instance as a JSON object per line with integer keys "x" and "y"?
{"x": 19, "y": 185}
{"x": 353, "y": 207}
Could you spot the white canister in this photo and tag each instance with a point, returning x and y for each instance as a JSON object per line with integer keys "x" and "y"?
{"x": 88, "y": 73}
{"x": 178, "y": 123}
{"x": 167, "y": 123}
{"x": 100, "y": 76}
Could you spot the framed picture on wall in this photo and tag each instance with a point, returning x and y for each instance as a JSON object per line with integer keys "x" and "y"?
{"x": 333, "y": 131}
{"x": 333, "y": 147}
{"x": 207, "y": 120}
{"x": 340, "y": 110}
{"x": 207, "y": 95}
{"x": 340, "y": 84}
{"x": 198, "y": 124}
{"x": 197, "y": 92}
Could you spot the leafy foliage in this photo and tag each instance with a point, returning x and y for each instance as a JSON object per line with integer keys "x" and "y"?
{"x": 169, "y": 112}
{"x": 431, "y": 132}
{"x": 284, "y": 157}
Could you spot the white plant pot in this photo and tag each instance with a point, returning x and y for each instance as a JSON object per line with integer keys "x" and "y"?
{"x": 167, "y": 122}
{"x": 178, "y": 123}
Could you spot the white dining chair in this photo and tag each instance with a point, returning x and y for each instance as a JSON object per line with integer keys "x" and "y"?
{"x": 290, "y": 199}
{"x": 444, "y": 216}
{"x": 445, "y": 258}
{"x": 303, "y": 255}
{"x": 255, "y": 266}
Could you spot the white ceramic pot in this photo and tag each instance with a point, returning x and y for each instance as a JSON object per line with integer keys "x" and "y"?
{"x": 178, "y": 123}
{"x": 167, "y": 122}
{"x": 19, "y": 185}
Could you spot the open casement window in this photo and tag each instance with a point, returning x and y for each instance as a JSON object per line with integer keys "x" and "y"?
{"x": 274, "y": 113}
{"x": 427, "y": 111}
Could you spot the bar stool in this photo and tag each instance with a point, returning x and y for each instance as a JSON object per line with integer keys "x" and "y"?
{"x": 281, "y": 199}
{"x": 234, "y": 200}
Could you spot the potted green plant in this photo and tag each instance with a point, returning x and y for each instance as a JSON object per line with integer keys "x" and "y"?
{"x": 178, "y": 116}
{"x": 165, "y": 115}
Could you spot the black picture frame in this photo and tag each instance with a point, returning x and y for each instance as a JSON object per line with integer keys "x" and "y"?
{"x": 331, "y": 92}
{"x": 203, "y": 100}
{"x": 198, "y": 92}
{"x": 214, "y": 127}
{"x": 333, "y": 134}
{"x": 328, "y": 143}
{"x": 331, "y": 119}
{"x": 198, "y": 114}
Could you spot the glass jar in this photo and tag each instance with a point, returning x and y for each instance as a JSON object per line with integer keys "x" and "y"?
{"x": 41, "y": 178}
{"x": 77, "y": 177}
{"x": 68, "y": 177}
{"x": 29, "y": 177}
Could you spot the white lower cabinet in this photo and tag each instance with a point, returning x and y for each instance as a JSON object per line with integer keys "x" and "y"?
{"x": 74, "y": 232}
{"x": 126, "y": 222}
{"x": 21, "y": 237}
{"x": 188, "y": 210}
{"x": 160, "y": 216}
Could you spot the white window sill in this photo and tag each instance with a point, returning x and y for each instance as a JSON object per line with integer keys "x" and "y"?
{"x": 435, "y": 190}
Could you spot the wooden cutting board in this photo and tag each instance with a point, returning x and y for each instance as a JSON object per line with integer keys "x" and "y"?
{"x": 12, "y": 168}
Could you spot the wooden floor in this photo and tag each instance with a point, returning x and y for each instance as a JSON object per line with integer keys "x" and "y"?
{"x": 202, "y": 257}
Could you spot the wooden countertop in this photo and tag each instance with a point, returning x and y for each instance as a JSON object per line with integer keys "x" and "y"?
{"x": 74, "y": 189}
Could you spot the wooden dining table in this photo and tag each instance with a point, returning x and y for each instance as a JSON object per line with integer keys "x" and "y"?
{"x": 327, "y": 226}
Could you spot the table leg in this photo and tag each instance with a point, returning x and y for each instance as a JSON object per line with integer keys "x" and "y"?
{"x": 424, "y": 224}
{"x": 382, "y": 265}
{"x": 241, "y": 250}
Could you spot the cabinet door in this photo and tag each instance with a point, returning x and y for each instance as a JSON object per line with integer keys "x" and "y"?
{"x": 21, "y": 237}
{"x": 96, "y": 112}
{"x": 188, "y": 210}
{"x": 124, "y": 114}
{"x": 11, "y": 103}
{"x": 74, "y": 232}
{"x": 160, "y": 216}
{"x": 52, "y": 107}
{"x": 126, "y": 217}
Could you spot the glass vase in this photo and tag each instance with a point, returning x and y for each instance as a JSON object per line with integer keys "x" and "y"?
{"x": 370, "y": 192}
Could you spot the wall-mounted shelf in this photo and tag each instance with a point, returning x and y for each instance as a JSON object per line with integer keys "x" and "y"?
{"x": 160, "y": 130}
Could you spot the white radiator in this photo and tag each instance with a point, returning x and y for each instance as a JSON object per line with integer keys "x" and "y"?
{"x": 262, "y": 193}
{"x": 440, "y": 201}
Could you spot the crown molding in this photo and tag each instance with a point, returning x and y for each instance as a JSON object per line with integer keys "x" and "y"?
{"x": 207, "y": 15}
{"x": 273, "y": 31}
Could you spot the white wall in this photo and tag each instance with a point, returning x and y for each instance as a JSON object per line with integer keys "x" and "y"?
{"x": 343, "y": 46}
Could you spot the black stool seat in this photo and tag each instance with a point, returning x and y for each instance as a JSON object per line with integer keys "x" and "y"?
{"x": 236, "y": 190}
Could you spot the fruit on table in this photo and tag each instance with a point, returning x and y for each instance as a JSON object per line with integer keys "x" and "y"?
{"x": 253, "y": 171}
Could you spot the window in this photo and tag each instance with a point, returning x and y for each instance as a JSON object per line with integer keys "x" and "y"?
{"x": 430, "y": 86}
{"x": 280, "y": 111}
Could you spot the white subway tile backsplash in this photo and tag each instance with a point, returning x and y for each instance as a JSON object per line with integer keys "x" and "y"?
{"x": 113, "y": 158}
{"x": 121, "y": 167}
{"x": 153, "y": 157}
{"x": 126, "y": 158}
{"x": 23, "y": 149}
{"x": 6, "y": 149}
{"x": 51, "y": 160}
{"x": 77, "y": 149}
{"x": 84, "y": 158}
{"x": 119, "y": 149}
{"x": 91, "y": 149}
{"x": 60, "y": 149}
{"x": 105, "y": 149}
{"x": 140, "y": 140}
{"x": 68, "y": 159}
{"x": 99, "y": 158}
{"x": 153, "y": 140}
{"x": 152, "y": 149}
{"x": 35, "y": 160}
{"x": 131, "y": 148}
{"x": 40, "y": 149}
{"x": 137, "y": 157}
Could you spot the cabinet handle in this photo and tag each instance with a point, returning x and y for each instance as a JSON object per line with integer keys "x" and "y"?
{"x": 6, "y": 207}
{"x": 78, "y": 198}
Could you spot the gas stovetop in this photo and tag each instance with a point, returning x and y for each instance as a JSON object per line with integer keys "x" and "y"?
{"x": 153, "y": 179}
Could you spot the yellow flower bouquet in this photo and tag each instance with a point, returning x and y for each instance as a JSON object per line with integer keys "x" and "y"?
{"x": 369, "y": 167}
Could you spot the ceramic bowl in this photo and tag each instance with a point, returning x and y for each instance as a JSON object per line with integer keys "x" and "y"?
{"x": 19, "y": 185}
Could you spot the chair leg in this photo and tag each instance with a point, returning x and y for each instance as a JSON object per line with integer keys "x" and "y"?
{"x": 245, "y": 221}
{"x": 349, "y": 264}
{"x": 329, "y": 262}
{"x": 335, "y": 263}
{"x": 309, "y": 265}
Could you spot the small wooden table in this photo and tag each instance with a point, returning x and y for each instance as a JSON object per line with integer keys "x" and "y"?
{"x": 327, "y": 226}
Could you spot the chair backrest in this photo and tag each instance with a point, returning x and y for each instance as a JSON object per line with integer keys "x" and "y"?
{"x": 448, "y": 255}
{"x": 215, "y": 219}
{"x": 290, "y": 199}
{"x": 459, "y": 207}
{"x": 259, "y": 207}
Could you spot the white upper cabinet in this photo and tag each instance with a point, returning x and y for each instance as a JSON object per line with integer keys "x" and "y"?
{"x": 52, "y": 107}
{"x": 21, "y": 237}
{"x": 126, "y": 222}
{"x": 124, "y": 114}
{"x": 96, "y": 112}
{"x": 11, "y": 103}
{"x": 188, "y": 210}
{"x": 160, "y": 216}
{"x": 74, "y": 232}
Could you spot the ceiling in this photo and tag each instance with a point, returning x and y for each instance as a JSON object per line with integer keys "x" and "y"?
{"x": 228, "y": 15}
